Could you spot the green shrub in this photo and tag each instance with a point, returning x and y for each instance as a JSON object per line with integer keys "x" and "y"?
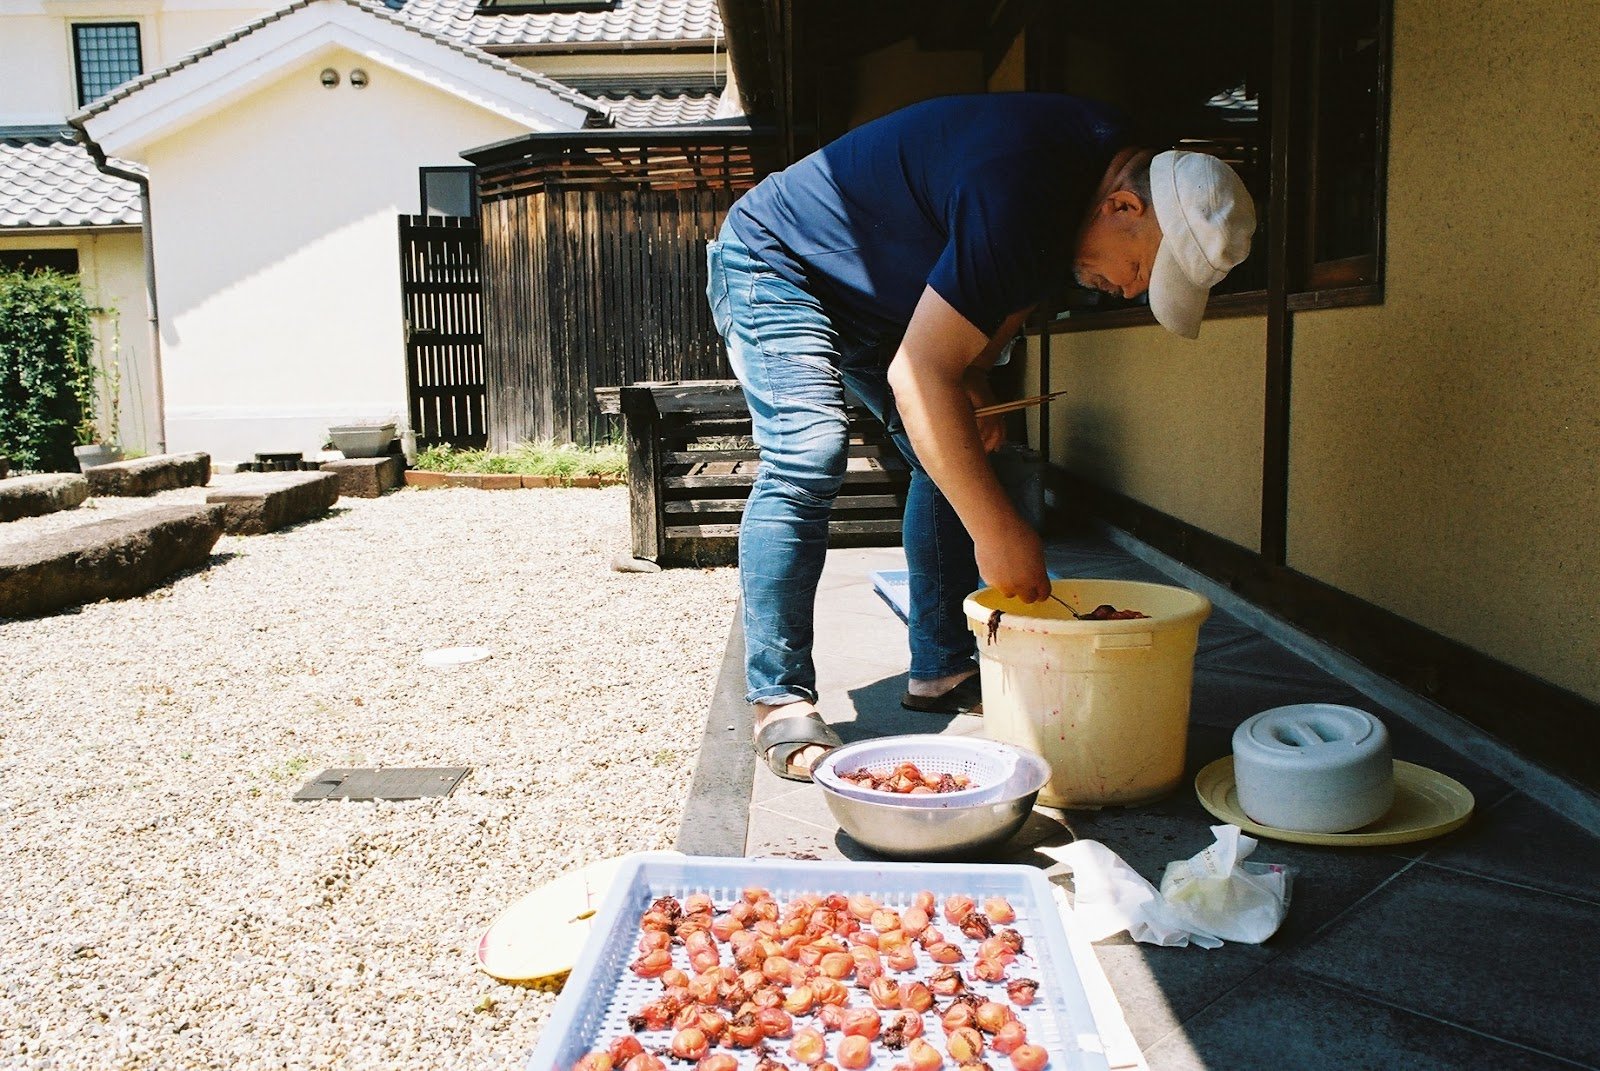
{"x": 47, "y": 372}
{"x": 530, "y": 459}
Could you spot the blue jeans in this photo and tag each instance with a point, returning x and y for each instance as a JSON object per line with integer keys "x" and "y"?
{"x": 794, "y": 365}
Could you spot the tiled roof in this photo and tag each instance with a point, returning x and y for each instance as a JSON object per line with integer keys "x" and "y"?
{"x": 48, "y": 180}
{"x": 376, "y": 9}
{"x": 668, "y": 108}
{"x": 633, "y": 22}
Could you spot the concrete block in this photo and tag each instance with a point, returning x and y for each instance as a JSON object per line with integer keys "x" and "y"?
{"x": 368, "y": 477}
{"x": 271, "y": 501}
{"x": 147, "y": 475}
{"x": 34, "y": 496}
{"x": 112, "y": 559}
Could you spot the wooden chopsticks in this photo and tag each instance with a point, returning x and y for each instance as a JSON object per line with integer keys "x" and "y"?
{"x": 1020, "y": 403}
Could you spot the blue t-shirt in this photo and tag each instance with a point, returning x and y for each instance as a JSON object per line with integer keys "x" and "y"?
{"x": 979, "y": 197}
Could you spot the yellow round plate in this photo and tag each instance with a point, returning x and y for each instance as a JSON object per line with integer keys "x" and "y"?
{"x": 1426, "y": 804}
{"x": 536, "y": 940}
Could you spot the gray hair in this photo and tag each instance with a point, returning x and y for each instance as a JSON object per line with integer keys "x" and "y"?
{"x": 1137, "y": 182}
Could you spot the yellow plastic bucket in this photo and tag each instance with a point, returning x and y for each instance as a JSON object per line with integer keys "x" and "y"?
{"x": 1105, "y": 702}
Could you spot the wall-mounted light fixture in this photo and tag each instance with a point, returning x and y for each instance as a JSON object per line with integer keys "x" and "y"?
{"x": 358, "y": 78}
{"x": 330, "y": 78}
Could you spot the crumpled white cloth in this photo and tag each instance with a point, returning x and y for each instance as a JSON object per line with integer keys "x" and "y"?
{"x": 1110, "y": 896}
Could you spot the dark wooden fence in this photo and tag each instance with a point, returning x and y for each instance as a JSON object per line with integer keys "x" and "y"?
{"x": 594, "y": 271}
{"x": 442, "y": 293}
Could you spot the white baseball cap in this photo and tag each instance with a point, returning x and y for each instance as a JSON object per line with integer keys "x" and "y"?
{"x": 1207, "y": 219}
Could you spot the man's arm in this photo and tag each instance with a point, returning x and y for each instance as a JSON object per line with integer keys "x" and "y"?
{"x": 991, "y": 429}
{"x": 928, "y": 375}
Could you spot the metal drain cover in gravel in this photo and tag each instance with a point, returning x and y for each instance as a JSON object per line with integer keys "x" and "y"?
{"x": 383, "y": 783}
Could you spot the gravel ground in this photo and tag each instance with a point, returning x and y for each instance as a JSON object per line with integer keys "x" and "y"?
{"x": 166, "y": 903}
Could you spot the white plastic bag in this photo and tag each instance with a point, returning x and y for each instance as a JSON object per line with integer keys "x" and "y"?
{"x": 1216, "y": 892}
{"x": 1109, "y": 896}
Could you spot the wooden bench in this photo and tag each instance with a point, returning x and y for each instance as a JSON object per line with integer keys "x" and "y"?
{"x": 691, "y": 465}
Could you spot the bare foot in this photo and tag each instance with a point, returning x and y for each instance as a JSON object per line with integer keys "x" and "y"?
{"x": 803, "y": 760}
{"x": 933, "y": 689}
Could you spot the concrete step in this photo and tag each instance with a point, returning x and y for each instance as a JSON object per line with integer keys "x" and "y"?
{"x": 147, "y": 475}
{"x": 112, "y": 559}
{"x": 265, "y": 503}
{"x": 368, "y": 477}
{"x": 34, "y": 496}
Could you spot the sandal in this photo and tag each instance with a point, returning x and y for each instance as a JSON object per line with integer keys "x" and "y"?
{"x": 964, "y": 698}
{"x": 781, "y": 738}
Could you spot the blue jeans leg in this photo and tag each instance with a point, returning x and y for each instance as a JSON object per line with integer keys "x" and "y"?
{"x": 794, "y": 367}
{"x": 940, "y": 558}
{"x": 784, "y": 351}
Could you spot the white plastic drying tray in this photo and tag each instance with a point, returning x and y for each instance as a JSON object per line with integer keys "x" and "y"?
{"x": 989, "y": 763}
{"x": 601, "y": 992}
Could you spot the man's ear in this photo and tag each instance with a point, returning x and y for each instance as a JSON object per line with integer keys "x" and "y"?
{"x": 1125, "y": 201}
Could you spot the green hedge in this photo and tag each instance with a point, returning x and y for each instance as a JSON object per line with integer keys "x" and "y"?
{"x": 47, "y": 373}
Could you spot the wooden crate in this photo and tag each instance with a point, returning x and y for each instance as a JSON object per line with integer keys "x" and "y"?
{"x": 691, "y": 465}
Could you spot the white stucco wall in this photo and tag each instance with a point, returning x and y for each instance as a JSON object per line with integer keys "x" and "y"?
{"x": 37, "y": 74}
{"x": 277, "y": 253}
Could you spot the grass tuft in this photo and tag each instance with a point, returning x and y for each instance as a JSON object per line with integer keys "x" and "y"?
{"x": 563, "y": 461}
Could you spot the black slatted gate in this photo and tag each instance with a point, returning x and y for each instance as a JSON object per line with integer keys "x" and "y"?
{"x": 442, "y": 293}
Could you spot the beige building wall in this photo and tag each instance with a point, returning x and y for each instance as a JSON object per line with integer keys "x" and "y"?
{"x": 277, "y": 251}
{"x": 1446, "y": 445}
{"x": 1010, "y": 74}
{"x": 111, "y": 266}
{"x": 37, "y": 70}
{"x": 901, "y": 74}
{"x": 1171, "y": 423}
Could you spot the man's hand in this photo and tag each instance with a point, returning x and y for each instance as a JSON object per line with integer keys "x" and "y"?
{"x": 992, "y": 428}
{"x": 1012, "y": 562}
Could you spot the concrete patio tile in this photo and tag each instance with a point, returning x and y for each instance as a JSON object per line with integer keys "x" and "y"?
{"x": 1262, "y": 658}
{"x": 874, "y": 634}
{"x": 1161, "y": 988}
{"x": 1496, "y": 958}
{"x": 876, "y": 711}
{"x": 1523, "y": 842}
{"x": 774, "y": 835}
{"x": 840, "y": 672}
{"x": 767, "y": 784}
{"x": 1226, "y": 695}
{"x": 1279, "y": 1018}
{"x": 804, "y": 804}
{"x": 1220, "y": 631}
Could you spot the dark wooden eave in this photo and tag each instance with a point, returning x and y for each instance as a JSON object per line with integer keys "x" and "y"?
{"x": 555, "y": 141}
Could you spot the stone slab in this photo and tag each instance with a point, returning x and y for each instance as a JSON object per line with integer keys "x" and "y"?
{"x": 112, "y": 559}
{"x": 147, "y": 475}
{"x": 271, "y": 501}
{"x": 367, "y": 477}
{"x": 34, "y": 496}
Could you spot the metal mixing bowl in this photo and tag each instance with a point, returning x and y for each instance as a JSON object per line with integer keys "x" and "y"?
{"x": 902, "y": 831}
